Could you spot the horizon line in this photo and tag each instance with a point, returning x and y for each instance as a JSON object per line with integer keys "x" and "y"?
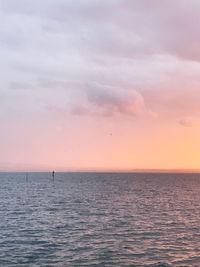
{"x": 96, "y": 170}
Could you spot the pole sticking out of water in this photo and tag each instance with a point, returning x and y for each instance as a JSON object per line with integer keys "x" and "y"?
{"x": 27, "y": 177}
{"x": 53, "y": 175}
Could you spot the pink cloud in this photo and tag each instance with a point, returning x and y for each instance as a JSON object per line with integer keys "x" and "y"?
{"x": 186, "y": 122}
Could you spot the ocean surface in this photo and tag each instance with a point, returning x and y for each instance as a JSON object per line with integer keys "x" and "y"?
{"x": 99, "y": 219}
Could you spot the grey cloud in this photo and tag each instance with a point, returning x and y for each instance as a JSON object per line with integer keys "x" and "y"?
{"x": 127, "y": 28}
{"x": 101, "y": 100}
{"x": 147, "y": 19}
{"x": 114, "y": 100}
{"x": 51, "y": 45}
{"x": 170, "y": 26}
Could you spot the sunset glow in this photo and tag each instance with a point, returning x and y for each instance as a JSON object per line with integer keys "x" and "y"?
{"x": 99, "y": 85}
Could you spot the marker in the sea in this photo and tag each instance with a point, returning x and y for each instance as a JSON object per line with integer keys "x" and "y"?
{"x": 26, "y": 177}
{"x": 53, "y": 175}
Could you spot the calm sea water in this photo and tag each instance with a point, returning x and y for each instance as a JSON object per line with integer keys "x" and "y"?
{"x": 92, "y": 219}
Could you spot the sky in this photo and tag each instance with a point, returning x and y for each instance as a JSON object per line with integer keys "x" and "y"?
{"x": 99, "y": 85}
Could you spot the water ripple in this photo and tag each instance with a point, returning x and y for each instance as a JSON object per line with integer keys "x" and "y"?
{"x": 92, "y": 219}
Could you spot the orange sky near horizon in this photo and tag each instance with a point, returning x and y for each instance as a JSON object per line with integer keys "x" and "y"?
{"x": 94, "y": 144}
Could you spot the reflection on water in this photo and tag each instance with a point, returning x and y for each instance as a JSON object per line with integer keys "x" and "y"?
{"x": 88, "y": 219}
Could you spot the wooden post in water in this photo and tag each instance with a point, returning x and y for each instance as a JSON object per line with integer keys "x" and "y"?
{"x": 53, "y": 175}
{"x": 27, "y": 177}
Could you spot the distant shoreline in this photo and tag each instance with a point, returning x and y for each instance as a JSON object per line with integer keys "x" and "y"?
{"x": 173, "y": 171}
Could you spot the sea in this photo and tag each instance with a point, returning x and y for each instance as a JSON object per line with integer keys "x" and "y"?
{"x": 99, "y": 219}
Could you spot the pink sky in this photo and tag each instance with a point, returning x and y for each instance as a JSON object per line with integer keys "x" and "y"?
{"x": 99, "y": 84}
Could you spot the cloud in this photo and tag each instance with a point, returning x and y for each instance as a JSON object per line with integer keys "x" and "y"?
{"x": 80, "y": 111}
{"x": 101, "y": 100}
{"x": 186, "y": 122}
{"x": 73, "y": 67}
{"x": 112, "y": 100}
{"x": 53, "y": 49}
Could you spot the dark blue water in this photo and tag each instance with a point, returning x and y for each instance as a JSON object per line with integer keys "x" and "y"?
{"x": 91, "y": 219}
